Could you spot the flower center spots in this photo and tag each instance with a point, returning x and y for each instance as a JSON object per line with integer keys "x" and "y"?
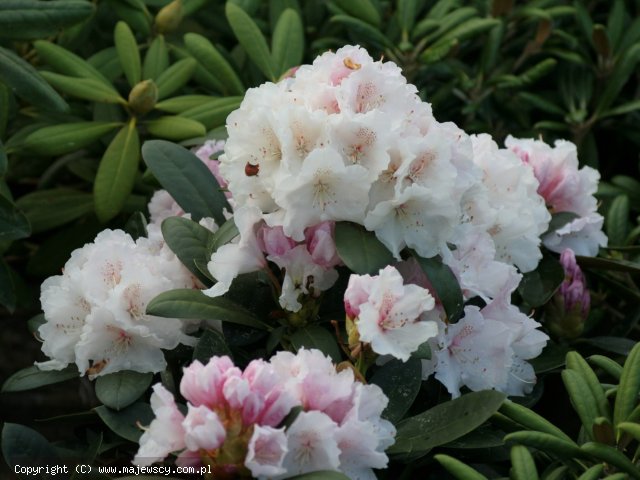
{"x": 323, "y": 192}
{"x": 368, "y": 98}
{"x": 420, "y": 165}
{"x": 365, "y": 137}
{"x": 111, "y": 273}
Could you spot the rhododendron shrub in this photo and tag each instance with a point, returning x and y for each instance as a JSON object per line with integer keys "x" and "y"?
{"x": 305, "y": 288}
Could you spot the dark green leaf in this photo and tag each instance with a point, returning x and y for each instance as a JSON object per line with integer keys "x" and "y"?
{"x": 314, "y": 336}
{"x": 28, "y": 19}
{"x": 68, "y": 137}
{"x": 26, "y": 83}
{"x": 128, "y": 53}
{"x": 156, "y": 59}
{"x": 551, "y": 358}
{"x": 120, "y": 389}
{"x": 126, "y": 422}
{"x": 445, "y": 284}
{"x": 445, "y": 422}
{"x": 559, "y": 220}
{"x": 7, "y": 288}
{"x": 13, "y": 223}
{"x": 538, "y": 286}
{"x": 612, "y": 456}
{"x": 360, "y": 250}
{"x": 213, "y": 113}
{"x": 25, "y": 447}
{"x": 188, "y": 240}
{"x": 187, "y": 179}
{"x": 117, "y": 172}
{"x": 69, "y": 63}
{"x": 227, "y": 232}
{"x": 175, "y": 77}
{"x": 251, "y": 39}
{"x": 363, "y": 9}
{"x": 364, "y": 30}
{"x": 193, "y": 304}
{"x": 401, "y": 384}
{"x": 84, "y": 88}
{"x": 619, "y": 345}
{"x": 522, "y": 465}
{"x": 608, "y": 264}
{"x": 211, "y": 343}
{"x": 628, "y": 388}
{"x": 32, "y": 377}
{"x": 617, "y": 220}
{"x": 287, "y": 44}
{"x": 136, "y": 226}
{"x": 458, "y": 469}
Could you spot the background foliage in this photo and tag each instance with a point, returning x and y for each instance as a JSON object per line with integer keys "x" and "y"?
{"x": 83, "y": 84}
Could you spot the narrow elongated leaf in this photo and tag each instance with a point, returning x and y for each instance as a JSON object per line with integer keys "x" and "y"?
{"x": 116, "y": 173}
{"x": 609, "y": 264}
{"x": 628, "y": 388}
{"x": 287, "y": 44}
{"x": 251, "y": 39}
{"x": 468, "y": 29}
{"x": 593, "y": 473}
{"x": 522, "y": 465}
{"x": 188, "y": 240}
{"x": 175, "y": 77}
{"x": 120, "y": 389}
{"x": 364, "y": 30}
{"x": 13, "y": 223}
{"x": 616, "y": 220}
{"x": 214, "y": 113}
{"x": 458, "y": 469}
{"x": 68, "y": 63}
{"x": 128, "y": 53}
{"x": 625, "y": 66}
{"x": 445, "y": 422}
{"x": 401, "y": 383}
{"x": 68, "y": 137}
{"x": 214, "y": 63}
{"x": 176, "y": 128}
{"x": 581, "y": 399}
{"x": 187, "y": 179}
{"x": 85, "y": 88}
{"x": 546, "y": 443}
{"x": 135, "y": 13}
{"x": 26, "y": 83}
{"x": 445, "y": 284}
{"x": 182, "y": 103}
{"x": 612, "y": 456}
{"x": 125, "y": 423}
{"x": 363, "y": 9}
{"x": 576, "y": 362}
{"x": 314, "y": 336}
{"x": 360, "y": 249}
{"x": 531, "y": 420}
{"x": 156, "y": 59}
{"x": 25, "y": 447}
{"x": 193, "y": 304}
{"x": 210, "y": 343}
{"x": 28, "y": 19}
{"x": 227, "y": 232}
{"x": 47, "y": 209}
{"x": 610, "y": 366}
{"x": 32, "y": 377}
{"x": 407, "y": 10}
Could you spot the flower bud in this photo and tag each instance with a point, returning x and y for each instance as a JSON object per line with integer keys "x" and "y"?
{"x": 569, "y": 307}
{"x": 143, "y": 97}
{"x": 169, "y": 17}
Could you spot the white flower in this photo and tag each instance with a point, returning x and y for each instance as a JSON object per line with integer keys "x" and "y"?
{"x": 267, "y": 449}
{"x": 390, "y": 318}
{"x": 583, "y": 235}
{"x": 202, "y": 429}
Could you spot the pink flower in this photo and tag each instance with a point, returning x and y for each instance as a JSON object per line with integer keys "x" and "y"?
{"x": 273, "y": 241}
{"x": 203, "y": 429}
{"x": 267, "y": 449}
{"x": 321, "y": 244}
{"x": 202, "y": 384}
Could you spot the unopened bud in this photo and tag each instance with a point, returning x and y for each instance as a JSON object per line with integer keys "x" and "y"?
{"x": 601, "y": 41}
{"x": 169, "y": 17}
{"x": 143, "y": 97}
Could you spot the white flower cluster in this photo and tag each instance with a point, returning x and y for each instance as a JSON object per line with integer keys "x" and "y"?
{"x": 95, "y": 311}
{"x": 233, "y": 420}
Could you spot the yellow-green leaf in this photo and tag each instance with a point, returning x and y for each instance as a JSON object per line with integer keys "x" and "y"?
{"x": 175, "y": 128}
{"x": 128, "y": 53}
{"x": 287, "y": 44}
{"x": 67, "y": 63}
{"x": 175, "y": 77}
{"x": 85, "y": 88}
{"x": 156, "y": 59}
{"x": 65, "y": 138}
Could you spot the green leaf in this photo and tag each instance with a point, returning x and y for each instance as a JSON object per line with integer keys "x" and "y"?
{"x": 195, "y": 305}
{"x": 547, "y": 443}
{"x": 458, "y": 469}
{"x": 27, "y": 83}
{"x": 364, "y": 31}
{"x": 628, "y": 388}
{"x": 531, "y": 420}
{"x": 7, "y": 288}
{"x": 136, "y": 225}
{"x": 581, "y": 398}
{"x": 120, "y": 389}
{"x": 617, "y": 219}
{"x": 116, "y": 173}
{"x": 407, "y": 11}
{"x": 135, "y": 13}
{"x": 214, "y": 63}
{"x": 187, "y": 179}
{"x": 251, "y": 39}
{"x": 25, "y": 447}
{"x": 13, "y": 223}
{"x": 560, "y": 219}
{"x": 68, "y": 63}
{"x": 188, "y": 240}
{"x": 435, "y": 53}
{"x": 69, "y": 137}
{"x": 128, "y": 53}
{"x": 84, "y": 88}
{"x": 314, "y": 336}
{"x": 612, "y": 456}
{"x": 213, "y": 113}
{"x": 522, "y": 465}
{"x": 576, "y": 362}
{"x": 360, "y": 249}
{"x": 28, "y": 19}
{"x": 287, "y": 44}
{"x": 32, "y": 377}
{"x": 173, "y": 127}
{"x": 365, "y": 10}
{"x": 444, "y": 283}
{"x": 470, "y": 28}
{"x": 47, "y": 209}
{"x": 622, "y": 109}
{"x": 227, "y": 232}
{"x": 624, "y": 68}
{"x": 182, "y": 103}
{"x": 445, "y": 422}
{"x": 401, "y": 383}
{"x": 537, "y": 287}
{"x": 156, "y": 59}
{"x": 125, "y": 423}
{"x": 610, "y": 366}
{"x": 175, "y": 77}
{"x": 551, "y": 358}
{"x": 211, "y": 343}
{"x": 608, "y": 264}
{"x": 6, "y": 99}
{"x": 593, "y": 473}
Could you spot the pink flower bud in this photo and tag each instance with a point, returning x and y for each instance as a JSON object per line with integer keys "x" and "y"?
{"x": 273, "y": 241}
